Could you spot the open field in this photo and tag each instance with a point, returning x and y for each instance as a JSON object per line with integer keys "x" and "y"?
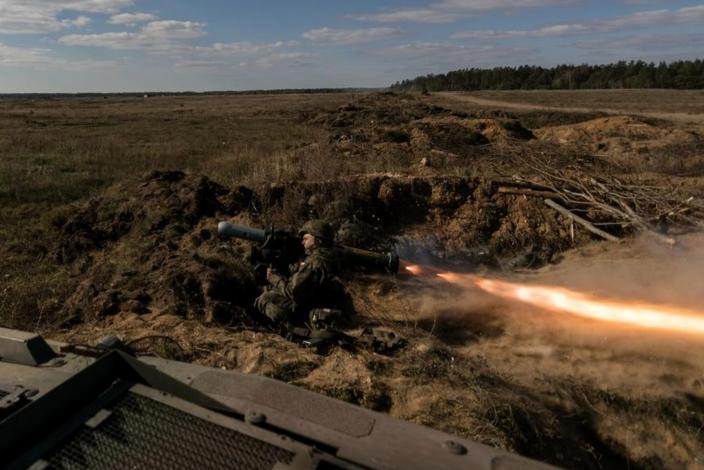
{"x": 659, "y": 102}
{"x": 108, "y": 208}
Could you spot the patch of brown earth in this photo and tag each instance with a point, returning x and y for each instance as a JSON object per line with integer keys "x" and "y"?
{"x": 617, "y": 134}
{"x": 405, "y": 128}
{"x": 426, "y": 383}
{"x": 151, "y": 244}
{"x": 147, "y": 263}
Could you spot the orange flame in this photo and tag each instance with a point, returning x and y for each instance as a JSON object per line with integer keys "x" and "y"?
{"x": 558, "y": 299}
{"x": 421, "y": 269}
{"x": 415, "y": 269}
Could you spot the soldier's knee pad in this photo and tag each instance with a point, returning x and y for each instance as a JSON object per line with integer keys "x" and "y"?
{"x": 276, "y": 313}
{"x": 266, "y": 298}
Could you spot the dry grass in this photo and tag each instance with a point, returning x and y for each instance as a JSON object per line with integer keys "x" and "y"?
{"x": 57, "y": 151}
{"x": 54, "y": 152}
{"x": 61, "y": 151}
{"x": 665, "y": 101}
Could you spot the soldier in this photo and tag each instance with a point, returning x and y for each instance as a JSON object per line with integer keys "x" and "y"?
{"x": 312, "y": 284}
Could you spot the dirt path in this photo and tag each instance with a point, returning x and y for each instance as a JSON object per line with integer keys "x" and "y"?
{"x": 463, "y": 97}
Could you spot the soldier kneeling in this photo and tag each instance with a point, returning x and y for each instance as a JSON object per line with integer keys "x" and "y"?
{"x": 313, "y": 283}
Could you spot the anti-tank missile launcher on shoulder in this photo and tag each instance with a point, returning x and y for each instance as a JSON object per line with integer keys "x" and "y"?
{"x": 278, "y": 249}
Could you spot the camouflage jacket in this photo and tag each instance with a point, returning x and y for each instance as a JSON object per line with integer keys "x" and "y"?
{"x": 313, "y": 281}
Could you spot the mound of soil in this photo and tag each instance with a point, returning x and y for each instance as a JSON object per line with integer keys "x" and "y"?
{"x": 448, "y": 217}
{"x": 147, "y": 262}
{"x": 492, "y": 130}
{"x": 150, "y": 245}
{"x": 403, "y": 126}
{"x": 617, "y": 134}
{"x": 378, "y": 110}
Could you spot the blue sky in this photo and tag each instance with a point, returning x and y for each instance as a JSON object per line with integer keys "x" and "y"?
{"x": 143, "y": 45}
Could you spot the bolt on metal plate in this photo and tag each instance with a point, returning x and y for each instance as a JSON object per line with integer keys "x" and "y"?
{"x": 454, "y": 447}
{"x": 254, "y": 417}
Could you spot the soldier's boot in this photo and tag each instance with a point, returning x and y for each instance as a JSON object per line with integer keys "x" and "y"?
{"x": 381, "y": 340}
{"x": 324, "y": 318}
{"x": 324, "y": 333}
{"x": 323, "y": 340}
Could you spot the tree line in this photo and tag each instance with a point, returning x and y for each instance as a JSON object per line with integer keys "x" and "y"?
{"x": 684, "y": 74}
{"x": 140, "y": 94}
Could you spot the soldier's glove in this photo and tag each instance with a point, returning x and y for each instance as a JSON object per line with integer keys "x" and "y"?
{"x": 260, "y": 271}
{"x": 274, "y": 278}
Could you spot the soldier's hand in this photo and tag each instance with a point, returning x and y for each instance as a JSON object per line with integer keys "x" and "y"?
{"x": 270, "y": 275}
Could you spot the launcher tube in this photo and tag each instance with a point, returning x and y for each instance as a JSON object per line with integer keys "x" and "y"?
{"x": 228, "y": 230}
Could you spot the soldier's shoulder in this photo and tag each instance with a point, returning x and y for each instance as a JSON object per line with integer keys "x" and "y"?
{"x": 323, "y": 257}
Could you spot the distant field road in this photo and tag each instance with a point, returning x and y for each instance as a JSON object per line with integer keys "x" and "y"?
{"x": 512, "y": 102}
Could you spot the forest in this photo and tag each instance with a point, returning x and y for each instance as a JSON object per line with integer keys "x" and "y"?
{"x": 685, "y": 74}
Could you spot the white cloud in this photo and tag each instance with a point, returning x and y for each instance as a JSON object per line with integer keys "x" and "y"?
{"x": 79, "y": 22}
{"x": 556, "y": 30}
{"x": 131, "y": 19}
{"x": 22, "y": 55}
{"x": 122, "y": 40}
{"x": 427, "y": 57}
{"x": 480, "y": 5}
{"x": 171, "y": 29}
{"x": 39, "y": 58}
{"x": 646, "y": 18}
{"x": 644, "y": 42}
{"x": 291, "y": 58}
{"x": 423, "y": 15}
{"x": 166, "y": 37}
{"x": 449, "y": 11}
{"x": 158, "y": 35}
{"x": 204, "y": 64}
{"x": 240, "y": 48}
{"x": 95, "y": 6}
{"x": 295, "y": 59}
{"x": 350, "y": 36}
{"x": 434, "y": 48}
{"x": 41, "y": 16}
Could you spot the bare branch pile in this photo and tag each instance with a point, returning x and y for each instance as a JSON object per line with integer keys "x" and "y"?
{"x": 608, "y": 202}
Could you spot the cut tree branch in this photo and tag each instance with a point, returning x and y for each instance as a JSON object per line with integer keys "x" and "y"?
{"x": 583, "y": 222}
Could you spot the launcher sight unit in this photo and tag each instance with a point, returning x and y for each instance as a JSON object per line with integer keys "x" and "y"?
{"x": 76, "y": 406}
{"x": 279, "y": 249}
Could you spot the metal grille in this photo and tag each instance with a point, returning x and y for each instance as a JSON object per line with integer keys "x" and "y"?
{"x": 143, "y": 433}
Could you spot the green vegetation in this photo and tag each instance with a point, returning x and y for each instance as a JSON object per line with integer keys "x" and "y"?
{"x": 686, "y": 74}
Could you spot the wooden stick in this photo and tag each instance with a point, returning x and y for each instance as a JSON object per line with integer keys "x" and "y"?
{"x": 572, "y": 230}
{"x": 527, "y": 192}
{"x": 580, "y": 221}
{"x": 639, "y": 222}
{"x": 519, "y": 184}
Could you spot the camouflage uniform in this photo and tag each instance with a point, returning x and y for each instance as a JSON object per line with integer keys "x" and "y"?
{"x": 313, "y": 284}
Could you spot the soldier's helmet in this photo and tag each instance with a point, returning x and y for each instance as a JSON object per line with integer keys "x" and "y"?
{"x": 321, "y": 230}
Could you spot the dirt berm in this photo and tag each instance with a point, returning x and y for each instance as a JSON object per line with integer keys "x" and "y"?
{"x": 150, "y": 244}
{"x": 146, "y": 261}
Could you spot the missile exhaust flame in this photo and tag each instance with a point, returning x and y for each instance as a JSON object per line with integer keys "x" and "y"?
{"x": 558, "y": 299}
{"x": 414, "y": 269}
{"x": 567, "y": 301}
{"x": 421, "y": 269}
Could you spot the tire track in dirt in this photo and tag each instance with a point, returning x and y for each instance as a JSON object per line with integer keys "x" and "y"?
{"x": 677, "y": 117}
